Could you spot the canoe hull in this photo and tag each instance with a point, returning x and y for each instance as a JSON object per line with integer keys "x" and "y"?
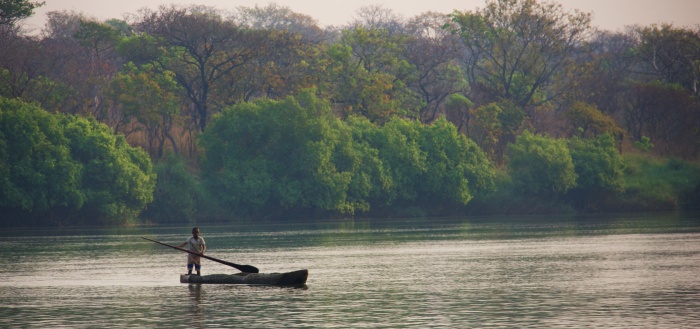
{"x": 296, "y": 278}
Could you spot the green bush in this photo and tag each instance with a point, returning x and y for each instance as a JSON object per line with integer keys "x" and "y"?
{"x": 274, "y": 158}
{"x": 178, "y": 195}
{"x": 431, "y": 166}
{"x": 541, "y": 165}
{"x": 456, "y": 168}
{"x": 599, "y": 168}
{"x": 37, "y": 173}
{"x": 278, "y": 157}
{"x": 658, "y": 184}
{"x": 67, "y": 170}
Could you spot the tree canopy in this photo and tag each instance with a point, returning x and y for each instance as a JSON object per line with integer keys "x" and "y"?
{"x": 294, "y": 155}
{"x": 381, "y": 116}
{"x": 13, "y": 10}
{"x": 67, "y": 170}
{"x": 541, "y": 165}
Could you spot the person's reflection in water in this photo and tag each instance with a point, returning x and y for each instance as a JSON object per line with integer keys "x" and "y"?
{"x": 196, "y": 305}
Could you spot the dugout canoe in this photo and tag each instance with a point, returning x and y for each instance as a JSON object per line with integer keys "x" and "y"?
{"x": 296, "y": 278}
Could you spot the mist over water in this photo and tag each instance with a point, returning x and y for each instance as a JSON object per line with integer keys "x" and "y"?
{"x": 556, "y": 272}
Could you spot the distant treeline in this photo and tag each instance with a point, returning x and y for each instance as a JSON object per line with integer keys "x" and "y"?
{"x": 518, "y": 106}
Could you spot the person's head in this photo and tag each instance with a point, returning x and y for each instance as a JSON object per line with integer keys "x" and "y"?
{"x": 195, "y": 232}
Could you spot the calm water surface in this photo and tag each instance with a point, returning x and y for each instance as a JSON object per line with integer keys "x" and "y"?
{"x": 548, "y": 272}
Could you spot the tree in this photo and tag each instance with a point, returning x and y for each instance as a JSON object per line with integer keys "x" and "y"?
{"x": 19, "y": 65}
{"x": 399, "y": 150}
{"x": 286, "y": 62}
{"x": 140, "y": 49}
{"x": 667, "y": 114}
{"x": 151, "y": 98}
{"x": 670, "y": 55}
{"x": 203, "y": 48}
{"x": 591, "y": 121}
{"x": 369, "y": 76}
{"x": 270, "y": 157}
{"x": 376, "y": 17}
{"x": 13, "y": 10}
{"x": 97, "y": 38}
{"x": 23, "y": 66}
{"x": 457, "y": 170}
{"x": 541, "y": 165}
{"x": 486, "y": 129}
{"x": 278, "y": 18}
{"x": 371, "y": 182}
{"x": 458, "y": 111}
{"x": 117, "y": 179}
{"x": 178, "y": 197}
{"x": 431, "y": 166}
{"x": 433, "y": 51}
{"x": 287, "y": 57}
{"x": 599, "y": 168}
{"x": 520, "y": 50}
{"x": 38, "y": 176}
{"x": 82, "y": 60}
{"x": 67, "y": 170}
{"x": 611, "y": 63}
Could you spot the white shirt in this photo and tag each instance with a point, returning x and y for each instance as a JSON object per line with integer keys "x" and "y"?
{"x": 196, "y": 245}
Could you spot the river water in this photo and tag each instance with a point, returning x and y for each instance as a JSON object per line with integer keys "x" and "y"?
{"x": 623, "y": 271}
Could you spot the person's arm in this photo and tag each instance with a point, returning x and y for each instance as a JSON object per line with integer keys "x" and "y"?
{"x": 204, "y": 248}
{"x": 182, "y": 244}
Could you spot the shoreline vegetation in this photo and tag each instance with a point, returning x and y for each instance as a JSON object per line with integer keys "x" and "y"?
{"x": 183, "y": 114}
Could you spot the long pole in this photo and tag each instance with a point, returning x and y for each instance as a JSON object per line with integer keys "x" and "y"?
{"x": 242, "y": 268}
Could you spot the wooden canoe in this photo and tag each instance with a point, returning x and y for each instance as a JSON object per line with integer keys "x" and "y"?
{"x": 296, "y": 278}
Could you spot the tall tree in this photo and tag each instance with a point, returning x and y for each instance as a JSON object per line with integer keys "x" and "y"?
{"x": 671, "y": 55}
{"x": 369, "y": 75}
{"x": 13, "y": 10}
{"x": 203, "y": 48}
{"x": 611, "y": 63}
{"x": 280, "y": 18}
{"x": 287, "y": 58}
{"x": 518, "y": 49}
{"x": 591, "y": 122}
{"x": 83, "y": 58}
{"x": 21, "y": 55}
{"x": 151, "y": 99}
{"x": 666, "y": 113}
{"x": 19, "y": 64}
{"x": 433, "y": 51}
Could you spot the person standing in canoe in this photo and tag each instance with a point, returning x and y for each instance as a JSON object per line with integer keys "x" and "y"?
{"x": 196, "y": 244}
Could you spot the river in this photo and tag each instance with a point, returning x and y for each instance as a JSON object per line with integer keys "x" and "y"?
{"x": 621, "y": 271}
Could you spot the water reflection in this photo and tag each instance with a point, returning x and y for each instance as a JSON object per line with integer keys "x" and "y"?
{"x": 196, "y": 306}
{"x": 451, "y": 273}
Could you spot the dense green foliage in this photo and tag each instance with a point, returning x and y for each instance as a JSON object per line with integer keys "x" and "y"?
{"x": 67, "y": 170}
{"x": 599, "y": 168}
{"x": 265, "y": 113}
{"x": 178, "y": 196}
{"x": 431, "y": 165}
{"x": 281, "y": 157}
{"x": 274, "y": 156}
{"x": 38, "y": 172}
{"x": 598, "y": 164}
{"x": 658, "y": 184}
{"x": 541, "y": 165}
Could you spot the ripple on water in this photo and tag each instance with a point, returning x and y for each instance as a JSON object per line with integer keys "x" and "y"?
{"x": 434, "y": 276}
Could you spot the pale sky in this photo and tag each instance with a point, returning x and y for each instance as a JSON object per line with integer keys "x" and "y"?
{"x": 612, "y": 15}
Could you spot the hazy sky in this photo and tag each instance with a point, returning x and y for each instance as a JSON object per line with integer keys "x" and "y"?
{"x": 607, "y": 14}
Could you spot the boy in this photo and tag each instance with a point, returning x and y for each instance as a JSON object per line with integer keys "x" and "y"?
{"x": 195, "y": 243}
